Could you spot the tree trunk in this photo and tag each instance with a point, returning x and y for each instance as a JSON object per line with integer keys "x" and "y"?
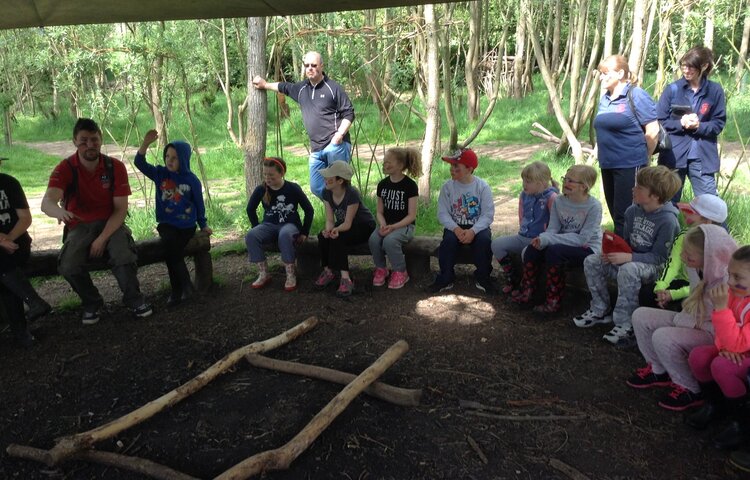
{"x": 665, "y": 25}
{"x": 472, "y": 60}
{"x": 647, "y": 42}
{"x": 636, "y": 48}
{"x": 445, "y": 50}
{"x": 255, "y": 138}
{"x": 555, "y": 62}
{"x": 742, "y": 57}
{"x": 575, "y": 145}
{"x": 609, "y": 29}
{"x": 518, "y": 62}
{"x": 708, "y": 32}
{"x": 579, "y": 40}
{"x": 432, "y": 114}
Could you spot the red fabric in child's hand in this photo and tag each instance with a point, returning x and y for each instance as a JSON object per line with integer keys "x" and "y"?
{"x": 613, "y": 243}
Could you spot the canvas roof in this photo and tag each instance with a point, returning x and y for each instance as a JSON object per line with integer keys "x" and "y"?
{"x": 39, "y": 13}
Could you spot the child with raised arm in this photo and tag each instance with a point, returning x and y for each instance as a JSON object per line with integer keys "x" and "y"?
{"x": 665, "y": 338}
{"x": 466, "y": 211}
{"x": 534, "y": 205}
{"x": 396, "y": 213}
{"x": 674, "y": 285}
{"x": 650, "y": 227}
{"x": 281, "y": 201}
{"x": 179, "y": 206}
{"x": 574, "y": 233}
{"x": 722, "y": 368}
{"x": 348, "y": 222}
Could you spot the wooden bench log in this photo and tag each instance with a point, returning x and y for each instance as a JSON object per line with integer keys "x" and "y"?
{"x": 44, "y": 262}
{"x": 417, "y": 252}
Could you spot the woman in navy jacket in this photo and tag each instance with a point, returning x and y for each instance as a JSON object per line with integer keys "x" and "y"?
{"x": 693, "y": 112}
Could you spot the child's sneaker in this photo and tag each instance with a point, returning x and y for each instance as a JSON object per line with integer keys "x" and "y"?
{"x": 346, "y": 286}
{"x": 680, "y": 398}
{"x": 325, "y": 278}
{"x": 485, "y": 285}
{"x": 143, "y": 310}
{"x": 589, "y": 319}
{"x": 397, "y": 280}
{"x": 620, "y": 336}
{"x": 646, "y": 378}
{"x": 378, "y": 278}
{"x": 437, "y": 287}
{"x": 90, "y": 318}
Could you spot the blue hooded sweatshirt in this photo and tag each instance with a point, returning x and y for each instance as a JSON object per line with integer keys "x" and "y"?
{"x": 179, "y": 195}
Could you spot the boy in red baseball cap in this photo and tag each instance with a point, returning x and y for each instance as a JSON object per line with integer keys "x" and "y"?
{"x": 466, "y": 210}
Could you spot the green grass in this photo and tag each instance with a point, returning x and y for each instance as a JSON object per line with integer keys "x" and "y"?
{"x": 30, "y": 167}
{"x": 223, "y": 162}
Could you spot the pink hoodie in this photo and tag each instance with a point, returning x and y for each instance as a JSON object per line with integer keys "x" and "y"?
{"x": 731, "y": 325}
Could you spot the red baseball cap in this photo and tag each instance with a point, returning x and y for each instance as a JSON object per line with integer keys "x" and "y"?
{"x": 464, "y": 156}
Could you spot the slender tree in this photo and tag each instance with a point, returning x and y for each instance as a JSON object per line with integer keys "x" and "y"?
{"x": 255, "y": 138}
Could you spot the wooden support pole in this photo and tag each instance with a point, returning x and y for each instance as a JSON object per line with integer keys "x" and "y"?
{"x": 405, "y": 397}
{"x": 281, "y": 458}
{"x": 133, "y": 464}
{"x": 71, "y": 444}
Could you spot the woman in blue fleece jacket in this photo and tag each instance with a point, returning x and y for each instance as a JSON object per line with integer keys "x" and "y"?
{"x": 179, "y": 206}
{"x": 693, "y": 112}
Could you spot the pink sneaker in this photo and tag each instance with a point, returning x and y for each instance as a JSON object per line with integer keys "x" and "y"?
{"x": 378, "y": 278}
{"x": 325, "y": 277}
{"x": 346, "y": 286}
{"x": 398, "y": 280}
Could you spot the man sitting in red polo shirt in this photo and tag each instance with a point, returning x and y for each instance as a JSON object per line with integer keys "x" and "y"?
{"x": 89, "y": 193}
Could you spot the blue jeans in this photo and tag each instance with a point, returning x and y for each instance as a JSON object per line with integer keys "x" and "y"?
{"x": 480, "y": 252}
{"x": 264, "y": 233}
{"x": 322, "y": 159}
{"x": 703, "y": 183}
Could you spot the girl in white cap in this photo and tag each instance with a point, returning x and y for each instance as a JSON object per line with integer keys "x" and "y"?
{"x": 348, "y": 222}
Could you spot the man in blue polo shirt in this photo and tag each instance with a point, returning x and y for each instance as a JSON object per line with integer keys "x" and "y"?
{"x": 327, "y": 114}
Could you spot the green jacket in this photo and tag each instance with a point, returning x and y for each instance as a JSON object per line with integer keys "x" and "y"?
{"x": 674, "y": 269}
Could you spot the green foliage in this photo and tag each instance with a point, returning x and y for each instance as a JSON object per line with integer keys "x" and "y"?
{"x": 29, "y": 166}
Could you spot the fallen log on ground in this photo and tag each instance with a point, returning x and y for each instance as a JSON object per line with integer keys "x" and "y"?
{"x": 281, "y": 458}
{"x": 406, "y": 397}
{"x": 133, "y": 464}
{"x": 69, "y": 445}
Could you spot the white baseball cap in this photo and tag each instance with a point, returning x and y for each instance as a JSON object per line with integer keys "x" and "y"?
{"x": 707, "y": 206}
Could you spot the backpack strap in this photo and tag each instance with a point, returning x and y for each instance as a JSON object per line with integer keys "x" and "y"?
{"x": 629, "y": 96}
{"x": 72, "y": 189}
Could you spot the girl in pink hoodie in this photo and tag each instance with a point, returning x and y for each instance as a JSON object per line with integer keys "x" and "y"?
{"x": 666, "y": 338}
{"x": 723, "y": 366}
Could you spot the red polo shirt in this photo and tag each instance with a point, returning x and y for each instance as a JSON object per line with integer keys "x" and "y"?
{"x": 93, "y": 201}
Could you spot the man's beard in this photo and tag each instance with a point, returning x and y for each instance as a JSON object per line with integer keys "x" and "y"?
{"x": 91, "y": 155}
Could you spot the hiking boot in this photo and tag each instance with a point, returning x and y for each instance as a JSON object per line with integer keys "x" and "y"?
{"x": 325, "y": 278}
{"x": 704, "y": 416}
{"x": 379, "y": 276}
{"x": 680, "y": 399}
{"x": 736, "y": 434}
{"x": 620, "y": 336}
{"x": 263, "y": 279}
{"x": 590, "y": 318}
{"x": 90, "y": 318}
{"x": 142, "y": 311}
{"x": 397, "y": 280}
{"x": 646, "y": 378}
{"x": 346, "y": 287}
{"x": 485, "y": 285}
{"x": 438, "y": 286}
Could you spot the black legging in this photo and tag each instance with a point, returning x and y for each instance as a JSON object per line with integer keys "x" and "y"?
{"x": 334, "y": 252}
